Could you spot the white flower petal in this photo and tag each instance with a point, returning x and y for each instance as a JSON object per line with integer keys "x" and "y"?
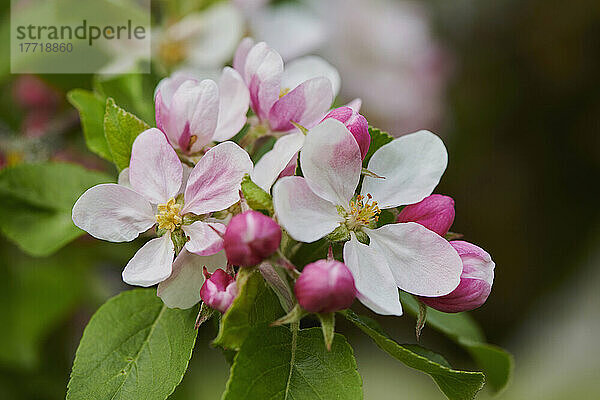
{"x": 423, "y": 263}
{"x": 305, "y": 68}
{"x": 234, "y": 99}
{"x": 372, "y": 277}
{"x": 155, "y": 170}
{"x": 182, "y": 288}
{"x": 123, "y": 179}
{"x": 412, "y": 166}
{"x": 204, "y": 241}
{"x": 239, "y": 59}
{"x": 262, "y": 73}
{"x": 215, "y": 181}
{"x": 331, "y": 162}
{"x": 305, "y": 216}
{"x": 268, "y": 168}
{"x": 151, "y": 264}
{"x": 113, "y": 212}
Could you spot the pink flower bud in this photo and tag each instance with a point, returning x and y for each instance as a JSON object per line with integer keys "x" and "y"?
{"x": 31, "y": 92}
{"x": 219, "y": 290}
{"x": 356, "y": 124}
{"x": 435, "y": 212}
{"x": 250, "y": 238}
{"x": 325, "y": 286}
{"x": 475, "y": 282}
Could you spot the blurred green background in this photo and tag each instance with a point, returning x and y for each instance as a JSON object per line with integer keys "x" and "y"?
{"x": 521, "y": 120}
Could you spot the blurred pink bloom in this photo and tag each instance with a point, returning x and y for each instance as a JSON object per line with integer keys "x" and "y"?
{"x": 30, "y": 92}
{"x": 250, "y": 238}
{"x": 386, "y": 54}
{"x": 475, "y": 282}
{"x": 325, "y": 286}
{"x": 194, "y": 114}
{"x": 406, "y": 255}
{"x": 219, "y": 290}
{"x": 435, "y": 212}
{"x": 301, "y": 93}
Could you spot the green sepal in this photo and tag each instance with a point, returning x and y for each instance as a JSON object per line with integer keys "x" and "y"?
{"x": 362, "y": 237}
{"x": 256, "y": 197}
{"x": 328, "y": 327}
{"x": 204, "y": 315}
{"x": 295, "y": 315}
{"x": 340, "y": 234}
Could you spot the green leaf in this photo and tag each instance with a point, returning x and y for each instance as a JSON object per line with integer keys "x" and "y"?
{"x": 134, "y": 347}
{"x": 280, "y": 364}
{"x": 120, "y": 129}
{"x": 456, "y": 385}
{"x": 36, "y": 202}
{"x": 37, "y": 295}
{"x": 91, "y": 107}
{"x": 257, "y": 198}
{"x": 378, "y": 139}
{"x": 134, "y": 92}
{"x": 496, "y": 363}
{"x": 255, "y": 304}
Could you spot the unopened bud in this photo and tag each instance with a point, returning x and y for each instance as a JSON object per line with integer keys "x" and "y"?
{"x": 325, "y": 286}
{"x": 356, "y": 124}
{"x": 435, "y": 212}
{"x": 475, "y": 282}
{"x": 219, "y": 290}
{"x": 250, "y": 238}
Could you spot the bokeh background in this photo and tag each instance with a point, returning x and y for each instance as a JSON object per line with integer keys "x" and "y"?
{"x": 512, "y": 86}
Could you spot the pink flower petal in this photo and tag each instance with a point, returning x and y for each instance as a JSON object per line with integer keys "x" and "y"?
{"x": 372, "y": 277}
{"x": 412, "y": 166}
{"x": 155, "y": 170}
{"x": 234, "y": 98}
{"x": 331, "y": 162}
{"x": 204, "y": 241}
{"x": 262, "y": 73}
{"x": 309, "y": 67}
{"x": 306, "y": 105}
{"x": 151, "y": 264}
{"x": 239, "y": 59}
{"x": 194, "y": 112}
{"x": 304, "y": 215}
{"x": 422, "y": 262}
{"x": 268, "y": 168}
{"x": 215, "y": 181}
{"x": 113, "y": 212}
{"x": 182, "y": 288}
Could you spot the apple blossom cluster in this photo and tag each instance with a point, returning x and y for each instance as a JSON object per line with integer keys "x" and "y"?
{"x": 323, "y": 180}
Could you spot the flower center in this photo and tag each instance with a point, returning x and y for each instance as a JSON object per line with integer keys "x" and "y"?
{"x": 172, "y": 52}
{"x": 168, "y": 215}
{"x": 363, "y": 212}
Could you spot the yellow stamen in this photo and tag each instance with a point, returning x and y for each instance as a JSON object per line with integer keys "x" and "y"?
{"x": 362, "y": 213}
{"x": 283, "y": 92}
{"x": 168, "y": 215}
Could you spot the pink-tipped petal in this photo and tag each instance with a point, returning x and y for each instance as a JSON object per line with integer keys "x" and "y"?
{"x": 182, "y": 288}
{"x": 239, "y": 59}
{"x": 113, "y": 212}
{"x": 475, "y": 281}
{"x": 330, "y": 161}
{"x": 151, "y": 264}
{"x": 204, "y": 239}
{"x": 163, "y": 97}
{"x": 305, "y": 216}
{"x": 262, "y": 73}
{"x": 306, "y": 105}
{"x": 309, "y": 67}
{"x": 155, "y": 170}
{"x": 193, "y": 115}
{"x": 422, "y": 262}
{"x": 356, "y": 124}
{"x": 355, "y": 104}
{"x": 374, "y": 280}
{"x": 412, "y": 166}
{"x": 435, "y": 212}
{"x": 215, "y": 181}
{"x": 234, "y": 98}
{"x": 270, "y": 166}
